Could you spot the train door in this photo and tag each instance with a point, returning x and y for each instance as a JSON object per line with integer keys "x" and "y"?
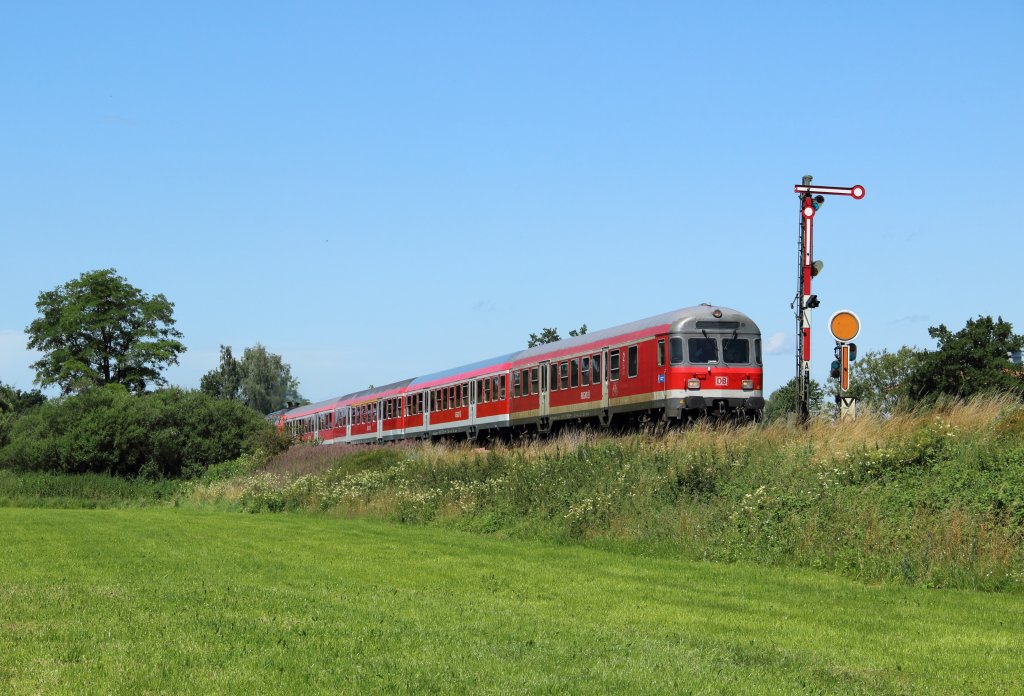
{"x": 380, "y": 419}
{"x": 472, "y": 403}
{"x": 604, "y": 378}
{"x": 545, "y": 402}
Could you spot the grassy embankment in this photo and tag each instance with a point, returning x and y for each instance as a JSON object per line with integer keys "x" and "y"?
{"x": 196, "y": 601}
{"x": 934, "y": 499}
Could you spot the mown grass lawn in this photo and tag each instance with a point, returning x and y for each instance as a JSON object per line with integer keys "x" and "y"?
{"x": 186, "y": 601}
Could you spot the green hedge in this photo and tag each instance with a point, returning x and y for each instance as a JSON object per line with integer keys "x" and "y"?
{"x": 166, "y": 434}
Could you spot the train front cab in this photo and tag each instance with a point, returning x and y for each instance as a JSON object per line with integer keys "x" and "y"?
{"x": 715, "y": 367}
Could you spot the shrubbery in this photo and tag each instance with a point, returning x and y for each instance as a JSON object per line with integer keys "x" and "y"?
{"x": 170, "y": 433}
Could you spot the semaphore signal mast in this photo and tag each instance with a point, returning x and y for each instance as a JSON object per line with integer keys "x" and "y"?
{"x": 811, "y": 200}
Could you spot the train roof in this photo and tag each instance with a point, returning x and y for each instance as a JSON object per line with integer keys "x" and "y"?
{"x": 470, "y": 370}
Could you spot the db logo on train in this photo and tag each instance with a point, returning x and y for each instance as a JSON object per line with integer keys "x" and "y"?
{"x": 721, "y": 381}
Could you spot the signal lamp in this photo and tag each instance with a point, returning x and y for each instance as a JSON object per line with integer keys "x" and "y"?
{"x": 834, "y": 372}
{"x": 819, "y": 200}
{"x": 853, "y": 351}
{"x": 816, "y": 268}
{"x": 812, "y": 302}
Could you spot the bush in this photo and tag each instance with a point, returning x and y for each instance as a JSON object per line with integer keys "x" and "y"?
{"x": 171, "y": 433}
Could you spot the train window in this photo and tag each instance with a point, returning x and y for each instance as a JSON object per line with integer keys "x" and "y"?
{"x": 534, "y": 383}
{"x": 419, "y": 402}
{"x": 487, "y": 390}
{"x": 517, "y": 390}
{"x": 757, "y": 350}
{"x": 554, "y": 377}
{"x": 446, "y": 401}
{"x": 504, "y": 379}
{"x": 585, "y": 371}
{"x": 465, "y": 394}
{"x": 574, "y": 372}
{"x": 735, "y": 350}
{"x": 565, "y": 375}
{"x": 613, "y": 365}
{"x": 595, "y": 369}
{"x": 675, "y": 350}
{"x": 661, "y": 352}
{"x": 632, "y": 361}
{"x": 702, "y": 350}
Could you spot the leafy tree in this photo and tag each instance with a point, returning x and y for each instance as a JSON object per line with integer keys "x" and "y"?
{"x": 782, "y": 401}
{"x": 13, "y": 403}
{"x": 880, "y": 379}
{"x": 14, "y": 400}
{"x": 550, "y": 335}
{"x": 226, "y": 381}
{"x": 98, "y": 329}
{"x": 261, "y": 380}
{"x": 969, "y": 361}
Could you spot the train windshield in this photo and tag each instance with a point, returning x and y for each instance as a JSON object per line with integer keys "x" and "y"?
{"x": 702, "y": 350}
{"x": 736, "y": 350}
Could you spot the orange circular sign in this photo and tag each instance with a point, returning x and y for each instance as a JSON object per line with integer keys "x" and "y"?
{"x": 844, "y": 325}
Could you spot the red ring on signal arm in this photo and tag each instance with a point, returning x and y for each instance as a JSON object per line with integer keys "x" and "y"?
{"x": 808, "y": 211}
{"x": 857, "y": 192}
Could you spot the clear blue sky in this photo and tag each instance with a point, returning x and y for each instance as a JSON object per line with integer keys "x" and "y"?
{"x": 380, "y": 190}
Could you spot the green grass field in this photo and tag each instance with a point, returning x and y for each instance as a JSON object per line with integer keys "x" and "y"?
{"x": 186, "y": 601}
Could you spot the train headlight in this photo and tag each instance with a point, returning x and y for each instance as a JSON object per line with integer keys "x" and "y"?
{"x": 693, "y": 383}
{"x": 748, "y": 385}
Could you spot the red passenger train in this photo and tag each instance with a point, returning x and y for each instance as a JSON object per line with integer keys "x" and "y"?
{"x": 688, "y": 362}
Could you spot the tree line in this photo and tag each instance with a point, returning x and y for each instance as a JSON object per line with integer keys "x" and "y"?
{"x": 974, "y": 360}
{"x": 105, "y": 344}
{"x": 98, "y": 329}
